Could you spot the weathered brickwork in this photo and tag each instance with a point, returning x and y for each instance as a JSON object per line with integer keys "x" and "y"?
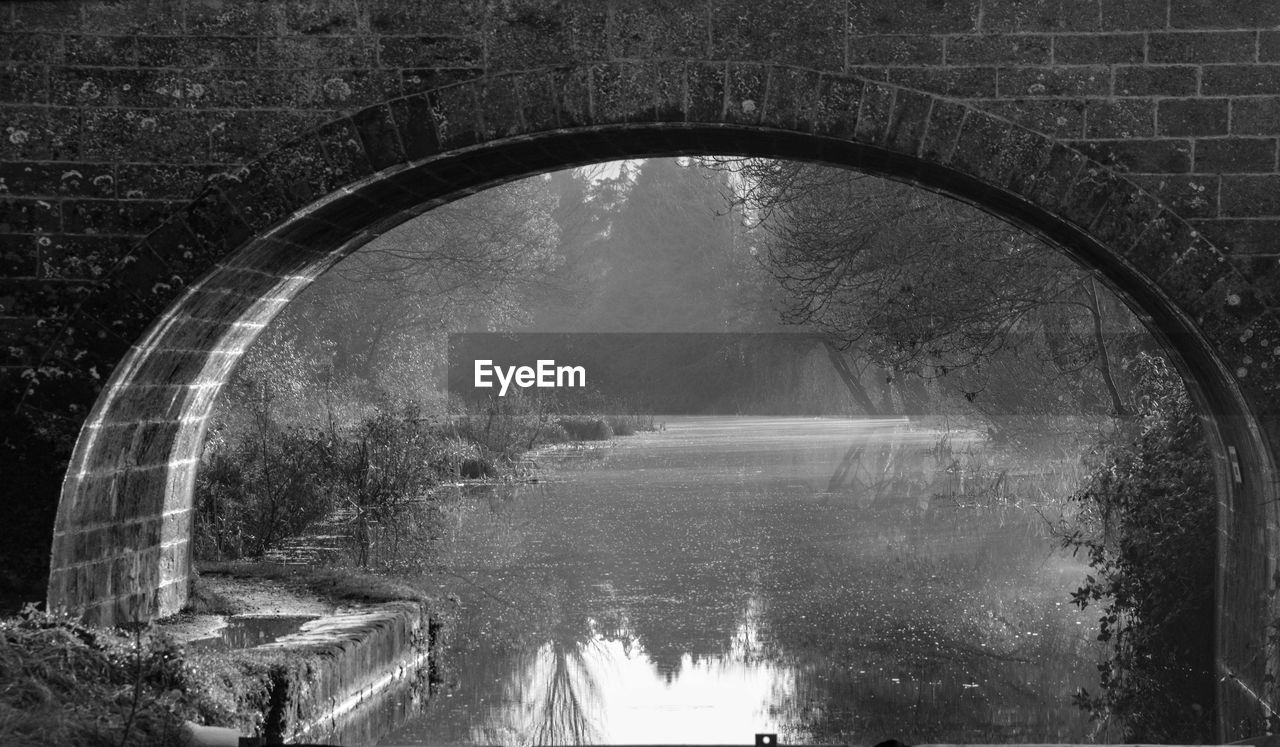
{"x": 172, "y": 172}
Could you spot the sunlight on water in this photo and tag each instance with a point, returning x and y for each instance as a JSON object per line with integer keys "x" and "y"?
{"x": 610, "y": 691}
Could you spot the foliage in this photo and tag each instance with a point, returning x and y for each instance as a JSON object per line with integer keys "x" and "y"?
{"x": 67, "y": 684}
{"x": 389, "y": 462}
{"x": 1147, "y": 524}
{"x": 378, "y": 321}
{"x": 587, "y": 428}
{"x": 254, "y": 490}
{"x": 915, "y": 286}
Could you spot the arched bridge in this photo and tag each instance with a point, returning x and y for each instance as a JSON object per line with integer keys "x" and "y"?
{"x": 173, "y": 172}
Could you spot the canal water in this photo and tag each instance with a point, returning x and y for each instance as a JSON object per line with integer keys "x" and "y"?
{"x": 824, "y": 580}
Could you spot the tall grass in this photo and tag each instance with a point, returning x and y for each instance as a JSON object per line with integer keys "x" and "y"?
{"x": 65, "y": 684}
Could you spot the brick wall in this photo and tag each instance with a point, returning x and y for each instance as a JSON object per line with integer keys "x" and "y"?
{"x": 115, "y": 116}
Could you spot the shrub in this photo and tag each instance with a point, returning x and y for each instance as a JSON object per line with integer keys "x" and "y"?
{"x": 66, "y": 684}
{"x": 256, "y": 490}
{"x": 1147, "y": 523}
{"x": 384, "y": 466}
{"x": 587, "y": 428}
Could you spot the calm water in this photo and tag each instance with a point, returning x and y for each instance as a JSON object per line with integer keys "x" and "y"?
{"x": 731, "y": 576}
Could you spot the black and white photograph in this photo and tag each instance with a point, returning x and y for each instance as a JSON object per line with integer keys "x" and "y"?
{"x": 879, "y": 373}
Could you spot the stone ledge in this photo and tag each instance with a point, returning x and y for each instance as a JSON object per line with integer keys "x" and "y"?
{"x": 318, "y": 682}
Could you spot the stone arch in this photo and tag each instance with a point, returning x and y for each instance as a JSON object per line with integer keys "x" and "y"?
{"x": 261, "y": 234}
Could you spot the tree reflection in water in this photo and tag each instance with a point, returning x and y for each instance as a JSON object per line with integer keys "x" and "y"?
{"x": 793, "y": 577}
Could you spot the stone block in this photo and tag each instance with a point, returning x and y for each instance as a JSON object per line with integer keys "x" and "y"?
{"x": 989, "y": 49}
{"x": 1119, "y": 118}
{"x": 1188, "y": 195}
{"x": 1133, "y": 15}
{"x": 1183, "y": 47}
{"x": 571, "y": 33}
{"x": 1219, "y": 14}
{"x": 624, "y": 92}
{"x": 162, "y": 402}
{"x": 442, "y": 16}
{"x": 983, "y": 148}
{"x": 791, "y": 98}
{"x": 170, "y": 598}
{"x": 1035, "y": 166}
{"x": 213, "y": 222}
{"x": 645, "y": 31}
{"x": 1059, "y": 118}
{"x": 1164, "y": 156}
{"x": 1165, "y": 238}
{"x": 945, "y": 121}
{"x": 181, "y": 367}
{"x": 43, "y": 179}
{"x": 1255, "y": 115}
{"x": 1039, "y": 15}
{"x": 175, "y": 562}
{"x": 322, "y": 89}
{"x": 1243, "y": 236}
{"x": 803, "y": 32}
{"x": 968, "y": 82}
{"x": 28, "y": 83}
{"x": 1235, "y": 155}
{"x": 302, "y": 172}
{"x": 416, "y": 124}
{"x": 1054, "y": 81}
{"x": 1088, "y": 195}
{"x": 1098, "y": 49}
{"x": 163, "y": 180}
{"x": 185, "y": 259}
{"x": 214, "y": 51}
{"x": 1192, "y": 117}
{"x": 456, "y": 110}
{"x": 874, "y": 112}
{"x": 1264, "y": 273}
{"x": 241, "y": 135}
{"x": 1125, "y": 216}
{"x": 889, "y": 17}
{"x": 30, "y": 215}
{"x": 1250, "y": 195}
{"x": 1240, "y": 80}
{"x": 176, "y": 136}
{"x": 421, "y": 80}
{"x": 1231, "y": 315}
{"x": 126, "y": 217}
{"x": 443, "y": 51}
{"x": 42, "y": 133}
{"x": 96, "y": 49}
{"x": 255, "y": 197}
{"x": 344, "y": 154}
{"x": 72, "y": 257}
{"x": 895, "y": 50}
{"x": 1156, "y": 80}
{"x": 735, "y": 92}
{"x": 1269, "y": 45}
{"x": 141, "y": 493}
{"x": 1194, "y": 271}
{"x": 176, "y": 526}
{"x": 501, "y": 107}
{"x": 671, "y": 90}
{"x": 199, "y": 397}
{"x": 908, "y": 121}
{"x": 34, "y": 47}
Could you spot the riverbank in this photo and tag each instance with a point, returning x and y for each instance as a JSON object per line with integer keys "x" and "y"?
{"x": 354, "y": 638}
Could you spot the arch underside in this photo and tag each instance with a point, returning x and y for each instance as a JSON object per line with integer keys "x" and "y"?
{"x": 262, "y": 234}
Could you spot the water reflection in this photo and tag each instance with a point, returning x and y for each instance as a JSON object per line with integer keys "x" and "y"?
{"x": 818, "y": 579}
